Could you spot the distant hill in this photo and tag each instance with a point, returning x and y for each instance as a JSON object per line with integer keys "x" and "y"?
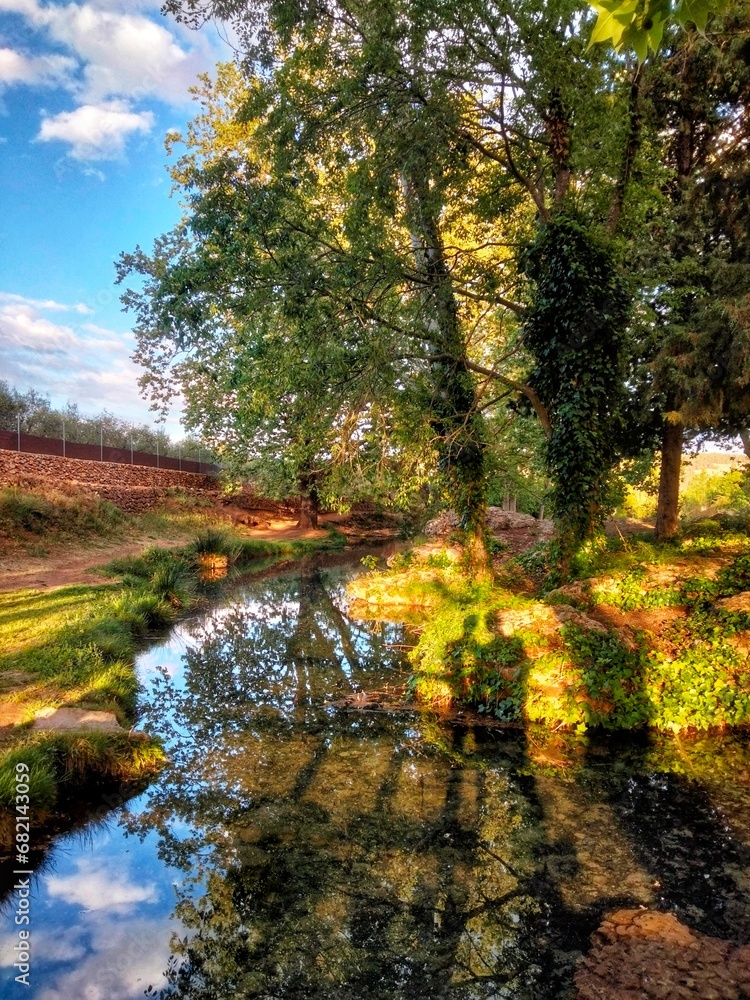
{"x": 711, "y": 461}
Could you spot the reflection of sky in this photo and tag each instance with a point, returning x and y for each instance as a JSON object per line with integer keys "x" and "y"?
{"x": 100, "y": 920}
{"x": 101, "y": 910}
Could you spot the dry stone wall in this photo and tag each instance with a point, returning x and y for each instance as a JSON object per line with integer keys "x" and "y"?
{"x": 133, "y": 488}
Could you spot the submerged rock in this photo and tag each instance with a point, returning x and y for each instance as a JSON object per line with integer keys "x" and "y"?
{"x": 645, "y": 954}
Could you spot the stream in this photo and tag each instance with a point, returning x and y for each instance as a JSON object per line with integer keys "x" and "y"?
{"x": 296, "y": 850}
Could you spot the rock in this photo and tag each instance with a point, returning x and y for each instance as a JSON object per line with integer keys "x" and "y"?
{"x": 11, "y": 680}
{"x": 740, "y": 602}
{"x": 453, "y": 553}
{"x": 76, "y": 718}
{"x": 568, "y": 615}
{"x": 497, "y": 520}
{"x": 443, "y": 524}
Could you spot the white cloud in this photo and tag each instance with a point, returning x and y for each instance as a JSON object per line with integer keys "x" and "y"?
{"x": 48, "y": 305}
{"x": 77, "y": 361}
{"x": 124, "y": 54}
{"x": 96, "y": 131}
{"x": 46, "y": 70}
{"x": 95, "y": 887}
{"x": 21, "y": 326}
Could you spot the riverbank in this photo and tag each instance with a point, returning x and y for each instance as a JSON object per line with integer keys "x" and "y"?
{"x": 67, "y": 680}
{"x": 648, "y": 636}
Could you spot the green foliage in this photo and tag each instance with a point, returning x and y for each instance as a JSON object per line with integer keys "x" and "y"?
{"x": 575, "y": 330}
{"x": 708, "y": 494}
{"x": 638, "y": 25}
{"x": 630, "y": 592}
{"x": 588, "y": 678}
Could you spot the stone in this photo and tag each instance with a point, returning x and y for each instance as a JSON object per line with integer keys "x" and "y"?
{"x": 76, "y": 718}
{"x": 740, "y": 602}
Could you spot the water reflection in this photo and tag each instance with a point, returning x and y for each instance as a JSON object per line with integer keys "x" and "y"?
{"x": 292, "y": 850}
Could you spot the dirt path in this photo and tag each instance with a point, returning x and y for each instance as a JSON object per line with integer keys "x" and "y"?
{"x": 69, "y": 565}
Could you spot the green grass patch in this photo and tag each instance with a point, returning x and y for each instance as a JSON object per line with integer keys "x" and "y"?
{"x": 56, "y": 514}
{"x": 565, "y": 674}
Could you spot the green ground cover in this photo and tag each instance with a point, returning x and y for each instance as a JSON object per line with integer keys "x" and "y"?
{"x": 647, "y": 640}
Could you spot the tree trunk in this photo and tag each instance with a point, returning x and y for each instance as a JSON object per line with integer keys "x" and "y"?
{"x": 667, "y": 522}
{"x": 308, "y": 505}
{"x": 455, "y": 418}
{"x": 745, "y": 438}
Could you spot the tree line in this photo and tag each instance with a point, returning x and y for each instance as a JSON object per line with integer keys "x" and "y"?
{"x": 32, "y": 413}
{"x": 416, "y": 234}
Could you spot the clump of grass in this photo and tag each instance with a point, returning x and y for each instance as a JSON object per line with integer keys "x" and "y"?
{"x": 55, "y": 759}
{"x": 50, "y": 513}
{"x": 172, "y": 582}
{"x": 213, "y": 542}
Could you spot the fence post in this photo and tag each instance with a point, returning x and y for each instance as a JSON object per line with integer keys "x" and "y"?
{"x": 157, "y": 449}
{"x": 63, "y": 423}
{"x": 199, "y": 460}
{"x": 131, "y": 449}
{"x": 18, "y": 419}
{"x": 101, "y": 443}
{"x": 179, "y": 459}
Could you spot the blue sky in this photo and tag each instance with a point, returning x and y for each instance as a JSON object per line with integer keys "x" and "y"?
{"x": 88, "y": 91}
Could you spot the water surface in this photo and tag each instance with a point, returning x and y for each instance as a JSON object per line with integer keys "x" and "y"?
{"x": 296, "y": 850}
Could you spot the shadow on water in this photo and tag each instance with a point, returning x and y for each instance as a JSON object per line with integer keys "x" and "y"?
{"x": 344, "y": 855}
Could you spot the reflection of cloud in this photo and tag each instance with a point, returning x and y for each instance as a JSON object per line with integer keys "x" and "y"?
{"x": 96, "y": 887}
{"x": 124, "y": 959}
{"x": 54, "y": 946}
{"x": 96, "y": 131}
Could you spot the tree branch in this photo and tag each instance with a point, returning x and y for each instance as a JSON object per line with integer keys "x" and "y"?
{"x": 526, "y": 390}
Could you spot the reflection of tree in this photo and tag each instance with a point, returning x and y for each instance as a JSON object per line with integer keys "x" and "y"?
{"x": 327, "y": 855}
{"x": 331, "y": 857}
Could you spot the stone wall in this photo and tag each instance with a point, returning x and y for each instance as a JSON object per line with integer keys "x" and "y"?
{"x": 131, "y": 487}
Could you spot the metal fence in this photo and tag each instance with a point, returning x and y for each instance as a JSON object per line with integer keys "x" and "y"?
{"x": 34, "y": 445}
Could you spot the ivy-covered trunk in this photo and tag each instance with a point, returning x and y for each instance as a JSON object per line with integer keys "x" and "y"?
{"x": 575, "y": 329}
{"x": 667, "y": 511}
{"x": 454, "y": 416}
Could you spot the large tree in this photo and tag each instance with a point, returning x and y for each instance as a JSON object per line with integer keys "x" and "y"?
{"x": 696, "y": 262}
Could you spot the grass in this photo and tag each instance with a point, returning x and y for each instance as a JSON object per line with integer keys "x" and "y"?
{"x": 76, "y": 646}
{"x": 30, "y": 515}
